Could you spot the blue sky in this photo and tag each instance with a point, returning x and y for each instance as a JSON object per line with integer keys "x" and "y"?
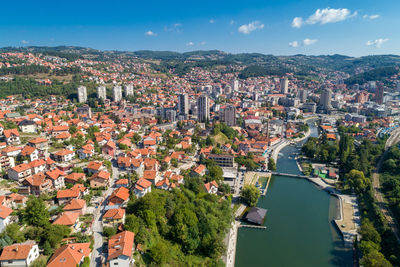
{"x": 349, "y": 27}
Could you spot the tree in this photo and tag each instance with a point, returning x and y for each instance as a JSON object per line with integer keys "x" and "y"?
{"x": 374, "y": 258}
{"x": 54, "y": 233}
{"x": 35, "y": 212}
{"x": 250, "y": 195}
{"x": 159, "y": 252}
{"x": 109, "y": 231}
{"x": 215, "y": 172}
{"x": 224, "y": 188}
{"x": 271, "y": 164}
{"x": 47, "y": 250}
{"x": 357, "y": 181}
{"x": 368, "y": 232}
{"x": 86, "y": 262}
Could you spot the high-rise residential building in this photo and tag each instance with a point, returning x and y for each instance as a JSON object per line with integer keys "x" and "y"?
{"x": 82, "y": 94}
{"x": 117, "y": 93}
{"x": 379, "y": 93}
{"x": 170, "y": 115}
{"x": 228, "y": 115}
{"x": 361, "y": 97}
{"x": 101, "y": 92}
{"x": 183, "y": 104}
{"x": 284, "y": 86}
{"x": 235, "y": 85}
{"x": 203, "y": 108}
{"x": 128, "y": 89}
{"x": 326, "y": 98}
{"x": 228, "y": 89}
{"x": 303, "y": 94}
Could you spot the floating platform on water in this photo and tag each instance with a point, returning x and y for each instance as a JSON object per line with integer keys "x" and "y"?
{"x": 253, "y": 226}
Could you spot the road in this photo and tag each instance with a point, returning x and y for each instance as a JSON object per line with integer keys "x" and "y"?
{"x": 97, "y": 226}
{"x": 380, "y": 200}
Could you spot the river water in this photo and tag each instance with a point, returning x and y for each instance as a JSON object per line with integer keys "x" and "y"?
{"x": 299, "y": 224}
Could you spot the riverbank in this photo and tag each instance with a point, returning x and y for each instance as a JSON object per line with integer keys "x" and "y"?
{"x": 286, "y": 142}
{"x": 287, "y": 202}
{"x": 349, "y": 220}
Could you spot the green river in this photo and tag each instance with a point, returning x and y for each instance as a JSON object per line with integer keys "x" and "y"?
{"x": 299, "y": 225}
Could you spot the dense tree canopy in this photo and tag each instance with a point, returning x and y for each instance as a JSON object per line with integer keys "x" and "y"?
{"x": 250, "y": 195}
{"x": 188, "y": 223}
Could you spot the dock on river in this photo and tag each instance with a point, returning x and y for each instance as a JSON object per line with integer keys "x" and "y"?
{"x": 253, "y": 226}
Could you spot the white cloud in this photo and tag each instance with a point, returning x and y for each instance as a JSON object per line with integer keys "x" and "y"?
{"x": 297, "y": 22}
{"x": 248, "y": 28}
{"x": 324, "y": 16}
{"x": 377, "y": 43}
{"x": 212, "y": 21}
{"x": 174, "y": 28}
{"x": 294, "y": 44}
{"x": 202, "y": 43}
{"x": 190, "y": 44}
{"x": 371, "y": 17}
{"x": 24, "y": 41}
{"x": 150, "y": 33}
{"x": 308, "y": 41}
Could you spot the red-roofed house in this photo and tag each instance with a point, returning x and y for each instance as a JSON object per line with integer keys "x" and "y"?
{"x": 142, "y": 187}
{"x": 12, "y": 136}
{"x": 100, "y": 179}
{"x": 199, "y": 170}
{"x": 119, "y": 197}
{"x": 114, "y": 216}
{"x": 120, "y": 249}
{"x": 20, "y": 172}
{"x": 38, "y": 165}
{"x": 5, "y": 213}
{"x": 66, "y": 195}
{"x": 95, "y": 166}
{"x": 76, "y": 205}
{"x": 64, "y": 155}
{"x": 109, "y": 148}
{"x": 21, "y": 255}
{"x": 75, "y": 177}
{"x": 57, "y": 178}
{"x": 70, "y": 255}
{"x": 68, "y": 219}
{"x": 211, "y": 187}
{"x": 31, "y": 152}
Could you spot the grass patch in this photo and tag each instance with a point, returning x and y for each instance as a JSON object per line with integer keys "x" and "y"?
{"x": 263, "y": 181}
{"x": 221, "y": 138}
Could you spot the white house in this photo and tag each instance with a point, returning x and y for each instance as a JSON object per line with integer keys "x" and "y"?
{"x": 21, "y": 255}
{"x": 142, "y": 187}
{"x": 38, "y": 165}
{"x": 12, "y": 136}
{"x": 120, "y": 249}
{"x": 20, "y": 172}
{"x": 27, "y": 126}
{"x": 31, "y": 152}
{"x": 211, "y": 187}
{"x": 64, "y": 155}
{"x": 4, "y": 217}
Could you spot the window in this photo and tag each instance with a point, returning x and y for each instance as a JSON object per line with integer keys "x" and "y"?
{"x": 115, "y": 263}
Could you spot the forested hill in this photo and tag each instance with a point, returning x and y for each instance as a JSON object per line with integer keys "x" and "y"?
{"x": 296, "y": 62}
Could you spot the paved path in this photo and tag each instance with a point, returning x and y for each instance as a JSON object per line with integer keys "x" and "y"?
{"x": 97, "y": 226}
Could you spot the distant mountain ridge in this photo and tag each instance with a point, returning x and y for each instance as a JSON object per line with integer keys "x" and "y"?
{"x": 301, "y": 64}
